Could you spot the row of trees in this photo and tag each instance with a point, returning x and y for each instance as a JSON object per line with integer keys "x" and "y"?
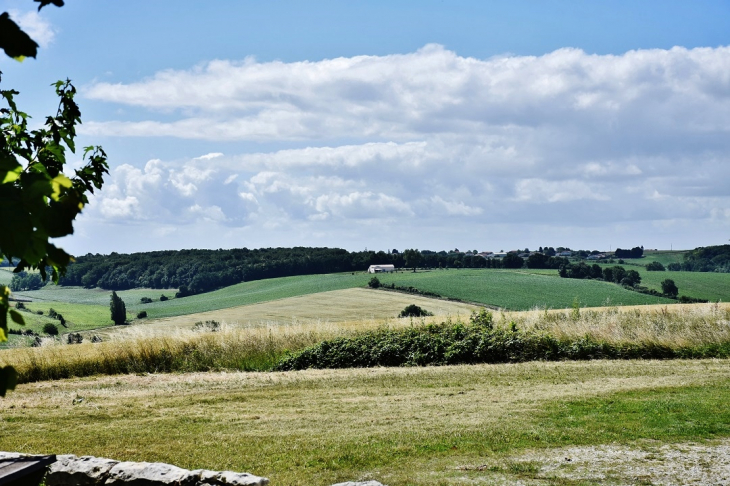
{"x": 24, "y": 281}
{"x": 615, "y": 274}
{"x": 636, "y": 252}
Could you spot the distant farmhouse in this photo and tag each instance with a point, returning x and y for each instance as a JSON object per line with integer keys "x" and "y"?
{"x": 381, "y": 268}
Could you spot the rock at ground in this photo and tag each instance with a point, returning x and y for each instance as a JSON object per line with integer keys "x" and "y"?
{"x": 148, "y": 473}
{"x": 69, "y": 470}
{"x": 205, "y": 477}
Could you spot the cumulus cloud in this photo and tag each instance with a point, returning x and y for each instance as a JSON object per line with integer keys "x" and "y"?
{"x": 38, "y": 28}
{"x": 431, "y": 139}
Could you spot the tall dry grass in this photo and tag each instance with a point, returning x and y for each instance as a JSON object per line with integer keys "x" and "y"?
{"x": 260, "y": 346}
{"x": 674, "y": 326}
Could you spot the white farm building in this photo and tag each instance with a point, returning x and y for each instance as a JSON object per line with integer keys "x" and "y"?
{"x": 381, "y": 268}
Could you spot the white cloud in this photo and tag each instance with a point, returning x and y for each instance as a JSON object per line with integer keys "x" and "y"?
{"x": 537, "y": 190}
{"x": 38, "y": 28}
{"x": 432, "y": 140}
{"x": 430, "y": 91}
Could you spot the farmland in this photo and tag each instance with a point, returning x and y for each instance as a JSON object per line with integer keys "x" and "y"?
{"x": 499, "y": 423}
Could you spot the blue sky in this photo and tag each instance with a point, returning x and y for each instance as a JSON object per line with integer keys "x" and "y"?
{"x": 481, "y": 125}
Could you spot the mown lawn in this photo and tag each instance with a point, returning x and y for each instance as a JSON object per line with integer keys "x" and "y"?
{"x": 415, "y": 426}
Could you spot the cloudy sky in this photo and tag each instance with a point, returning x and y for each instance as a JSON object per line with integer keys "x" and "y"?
{"x": 380, "y": 124}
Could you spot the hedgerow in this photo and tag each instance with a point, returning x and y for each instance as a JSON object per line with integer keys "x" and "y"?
{"x": 458, "y": 343}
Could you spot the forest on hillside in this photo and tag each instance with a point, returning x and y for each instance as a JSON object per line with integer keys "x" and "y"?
{"x": 705, "y": 259}
{"x": 197, "y": 271}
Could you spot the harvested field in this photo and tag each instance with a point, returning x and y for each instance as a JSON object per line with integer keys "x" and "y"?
{"x": 349, "y": 308}
{"x": 491, "y": 424}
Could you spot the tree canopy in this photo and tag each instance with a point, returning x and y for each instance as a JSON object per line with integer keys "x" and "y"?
{"x": 38, "y": 201}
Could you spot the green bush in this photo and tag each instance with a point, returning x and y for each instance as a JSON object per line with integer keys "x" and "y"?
{"x": 163, "y": 298}
{"x": 414, "y": 311}
{"x": 145, "y": 300}
{"x": 50, "y": 329}
{"x": 374, "y": 283}
{"x": 457, "y": 343}
{"x": 141, "y": 315}
{"x": 655, "y": 267}
{"x": 482, "y": 318}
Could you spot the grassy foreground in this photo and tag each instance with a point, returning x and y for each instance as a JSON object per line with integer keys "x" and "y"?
{"x": 416, "y": 426}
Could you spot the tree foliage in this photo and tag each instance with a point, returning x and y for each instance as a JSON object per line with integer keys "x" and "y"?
{"x": 669, "y": 287}
{"x": 118, "y": 309}
{"x": 14, "y": 41}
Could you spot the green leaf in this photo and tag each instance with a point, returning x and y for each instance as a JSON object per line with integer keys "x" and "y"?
{"x": 16, "y": 317}
{"x": 16, "y": 43}
{"x": 8, "y": 379}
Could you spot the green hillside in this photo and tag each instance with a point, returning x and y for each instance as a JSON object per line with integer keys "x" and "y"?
{"x": 520, "y": 290}
{"x": 704, "y": 285}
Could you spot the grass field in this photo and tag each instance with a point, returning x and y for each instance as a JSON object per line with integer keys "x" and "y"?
{"x": 665, "y": 257}
{"x": 355, "y": 305}
{"x": 705, "y": 285}
{"x": 520, "y": 290}
{"x": 415, "y": 426}
{"x": 513, "y": 290}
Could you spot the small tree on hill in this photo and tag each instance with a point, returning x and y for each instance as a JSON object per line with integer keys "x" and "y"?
{"x": 118, "y": 309}
{"x": 669, "y": 288}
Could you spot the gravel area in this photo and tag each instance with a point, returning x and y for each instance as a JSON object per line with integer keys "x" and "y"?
{"x": 675, "y": 464}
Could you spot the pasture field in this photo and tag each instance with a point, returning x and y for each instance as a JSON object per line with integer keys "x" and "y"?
{"x": 520, "y": 290}
{"x": 95, "y": 296}
{"x": 508, "y": 289}
{"x": 490, "y": 424}
{"x": 665, "y": 257}
{"x": 705, "y": 285}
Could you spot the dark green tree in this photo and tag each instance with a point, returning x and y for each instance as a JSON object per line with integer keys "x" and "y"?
{"x": 512, "y": 260}
{"x": 669, "y": 288}
{"x": 413, "y": 258}
{"x": 118, "y": 309}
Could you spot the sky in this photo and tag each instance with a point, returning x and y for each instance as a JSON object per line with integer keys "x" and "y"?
{"x": 477, "y": 125}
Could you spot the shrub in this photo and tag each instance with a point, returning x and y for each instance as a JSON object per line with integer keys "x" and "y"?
{"x": 40, "y": 313}
{"x": 20, "y": 306}
{"x": 141, "y": 315}
{"x": 414, "y": 311}
{"x": 50, "y": 329}
{"x": 74, "y": 338}
{"x": 655, "y": 267}
{"x": 52, "y": 313}
{"x": 374, "y": 283}
{"x": 145, "y": 300}
{"x": 482, "y": 318}
{"x": 669, "y": 288}
{"x": 212, "y": 326}
{"x": 163, "y": 298}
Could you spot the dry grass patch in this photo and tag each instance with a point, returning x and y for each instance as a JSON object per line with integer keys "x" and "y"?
{"x": 350, "y": 308}
{"x": 399, "y": 426}
{"x": 675, "y": 325}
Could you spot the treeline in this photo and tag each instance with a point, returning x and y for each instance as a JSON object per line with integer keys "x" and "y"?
{"x": 24, "y": 281}
{"x": 705, "y": 259}
{"x": 615, "y": 274}
{"x": 197, "y": 271}
{"x": 636, "y": 252}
